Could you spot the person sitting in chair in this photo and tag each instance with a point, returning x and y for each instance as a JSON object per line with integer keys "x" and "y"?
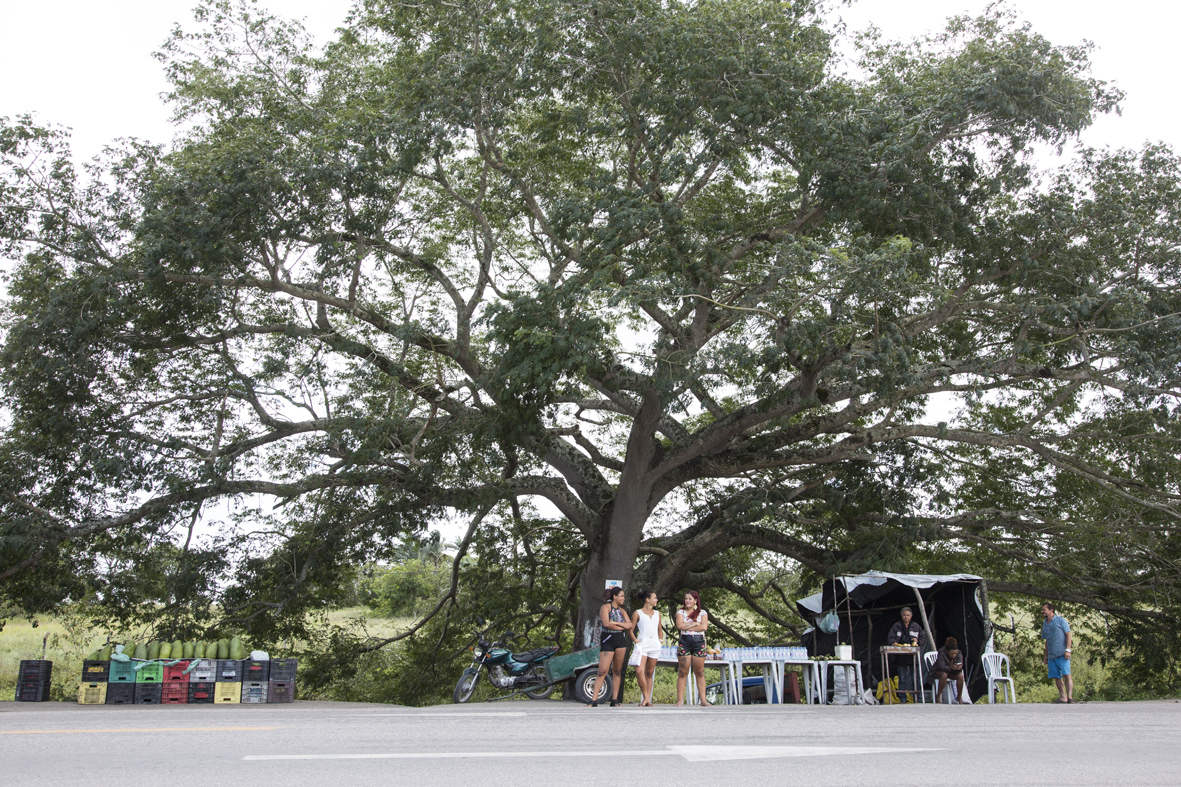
{"x": 949, "y": 665}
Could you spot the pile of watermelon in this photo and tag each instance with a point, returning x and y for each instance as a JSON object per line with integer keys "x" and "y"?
{"x": 193, "y": 649}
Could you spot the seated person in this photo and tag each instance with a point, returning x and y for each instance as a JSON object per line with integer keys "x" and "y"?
{"x": 949, "y": 665}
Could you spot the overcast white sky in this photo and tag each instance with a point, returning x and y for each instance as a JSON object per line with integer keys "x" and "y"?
{"x": 88, "y": 65}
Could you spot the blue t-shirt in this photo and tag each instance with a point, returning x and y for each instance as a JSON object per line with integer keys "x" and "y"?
{"x": 1054, "y": 633}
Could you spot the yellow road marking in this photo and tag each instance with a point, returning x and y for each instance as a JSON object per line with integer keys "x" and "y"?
{"x": 140, "y": 729}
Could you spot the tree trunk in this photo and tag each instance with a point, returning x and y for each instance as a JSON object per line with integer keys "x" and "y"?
{"x": 613, "y": 559}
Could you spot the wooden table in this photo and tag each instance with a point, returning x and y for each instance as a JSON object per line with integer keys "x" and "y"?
{"x": 908, "y": 651}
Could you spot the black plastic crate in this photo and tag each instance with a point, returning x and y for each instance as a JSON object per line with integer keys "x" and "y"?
{"x": 281, "y": 691}
{"x": 95, "y": 671}
{"x": 148, "y": 693}
{"x": 228, "y": 671}
{"x": 255, "y": 671}
{"x": 35, "y": 671}
{"x": 201, "y": 692}
{"x": 283, "y": 669}
{"x": 32, "y": 692}
{"x": 121, "y": 693}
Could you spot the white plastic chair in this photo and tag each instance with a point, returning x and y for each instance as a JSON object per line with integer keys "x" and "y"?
{"x": 997, "y": 670}
{"x": 948, "y": 690}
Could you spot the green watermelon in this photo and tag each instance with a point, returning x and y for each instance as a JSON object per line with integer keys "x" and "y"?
{"x": 153, "y": 650}
{"x": 199, "y": 649}
{"x": 223, "y": 649}
{"x": 164, "y": 651}
{"x": 177, "y": 649}
{"x": 105, "y": 653}
{"x": 186, "y": 650}
{"x": 237, "y": 650}
{"x": 141, "y": 651}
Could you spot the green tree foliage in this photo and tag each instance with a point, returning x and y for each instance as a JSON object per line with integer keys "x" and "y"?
{"x": 667, "y": 272}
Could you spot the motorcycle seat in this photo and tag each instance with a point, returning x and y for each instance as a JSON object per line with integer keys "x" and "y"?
{"x": 534, "y": 655}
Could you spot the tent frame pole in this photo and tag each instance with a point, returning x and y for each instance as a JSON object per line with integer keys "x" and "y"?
{"x": 926, "y": 623}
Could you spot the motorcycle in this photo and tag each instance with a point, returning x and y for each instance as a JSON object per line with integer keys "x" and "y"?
{"x": 519, "y": 672}
{"x": 522, "y": 673}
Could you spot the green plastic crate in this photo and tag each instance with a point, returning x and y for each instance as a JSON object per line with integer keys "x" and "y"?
{"x": 121, "y": 672}
{"x": 152, "y": 672}
{"x": 562, "y": 667}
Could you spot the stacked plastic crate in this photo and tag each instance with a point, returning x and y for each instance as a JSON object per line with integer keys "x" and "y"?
{"x": 227, "y": 688}
{"x": 93, "y": 690}
{"x": 255, "y": 675}
{"x": 174, "y": 686}
{"x": 281, "y": 684}
{"x": 201, "y": 683}
{"x": 149, "y": 679}
{"x": 120, "y": 683}
{"x": 32, "y": 684}
{"x": 195, "y": 681}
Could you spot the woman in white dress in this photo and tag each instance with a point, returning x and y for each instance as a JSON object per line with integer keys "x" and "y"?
{"x": 649, "y": 638}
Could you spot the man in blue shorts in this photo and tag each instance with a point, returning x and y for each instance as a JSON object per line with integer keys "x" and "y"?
{"x": 1056, "y": 633}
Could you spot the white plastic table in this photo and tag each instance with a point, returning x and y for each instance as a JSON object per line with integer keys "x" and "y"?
{"x": 847, "y": 665}
{"x": 691, "y": 683}
{"x": 773, "y": 676}
{"x": 811, "y": 676}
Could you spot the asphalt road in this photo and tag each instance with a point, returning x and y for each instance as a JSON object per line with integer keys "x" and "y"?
{"x": 556, "y": 743}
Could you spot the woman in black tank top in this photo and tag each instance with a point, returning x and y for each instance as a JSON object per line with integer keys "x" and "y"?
{"x": 612, "y": 643}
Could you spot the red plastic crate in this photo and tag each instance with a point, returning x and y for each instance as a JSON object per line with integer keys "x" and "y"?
{"x": 175, "y": 673}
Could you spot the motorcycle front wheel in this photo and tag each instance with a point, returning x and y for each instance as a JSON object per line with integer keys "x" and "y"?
{"x": 466, "y": 687}
{"x": 537, "y": 674}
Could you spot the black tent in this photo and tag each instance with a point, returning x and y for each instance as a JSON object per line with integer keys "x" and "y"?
{"x": 867, "y": 605}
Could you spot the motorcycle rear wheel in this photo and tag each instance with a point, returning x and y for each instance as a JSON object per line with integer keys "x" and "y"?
{"x": 537, "y": 673}
{"x": 465, "y": 688}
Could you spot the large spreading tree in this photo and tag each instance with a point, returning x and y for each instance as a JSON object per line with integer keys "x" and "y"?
{"x": 649, "y": 288}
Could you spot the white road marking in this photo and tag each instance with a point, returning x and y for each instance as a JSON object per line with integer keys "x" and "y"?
{"x": 690, "y": 753}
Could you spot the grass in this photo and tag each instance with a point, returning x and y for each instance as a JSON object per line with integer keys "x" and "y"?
{"x": 22, "y": 639}
{"x": 67, "y": 639}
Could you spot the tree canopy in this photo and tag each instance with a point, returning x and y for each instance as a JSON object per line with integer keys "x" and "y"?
{"x": 663, "y": 292}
